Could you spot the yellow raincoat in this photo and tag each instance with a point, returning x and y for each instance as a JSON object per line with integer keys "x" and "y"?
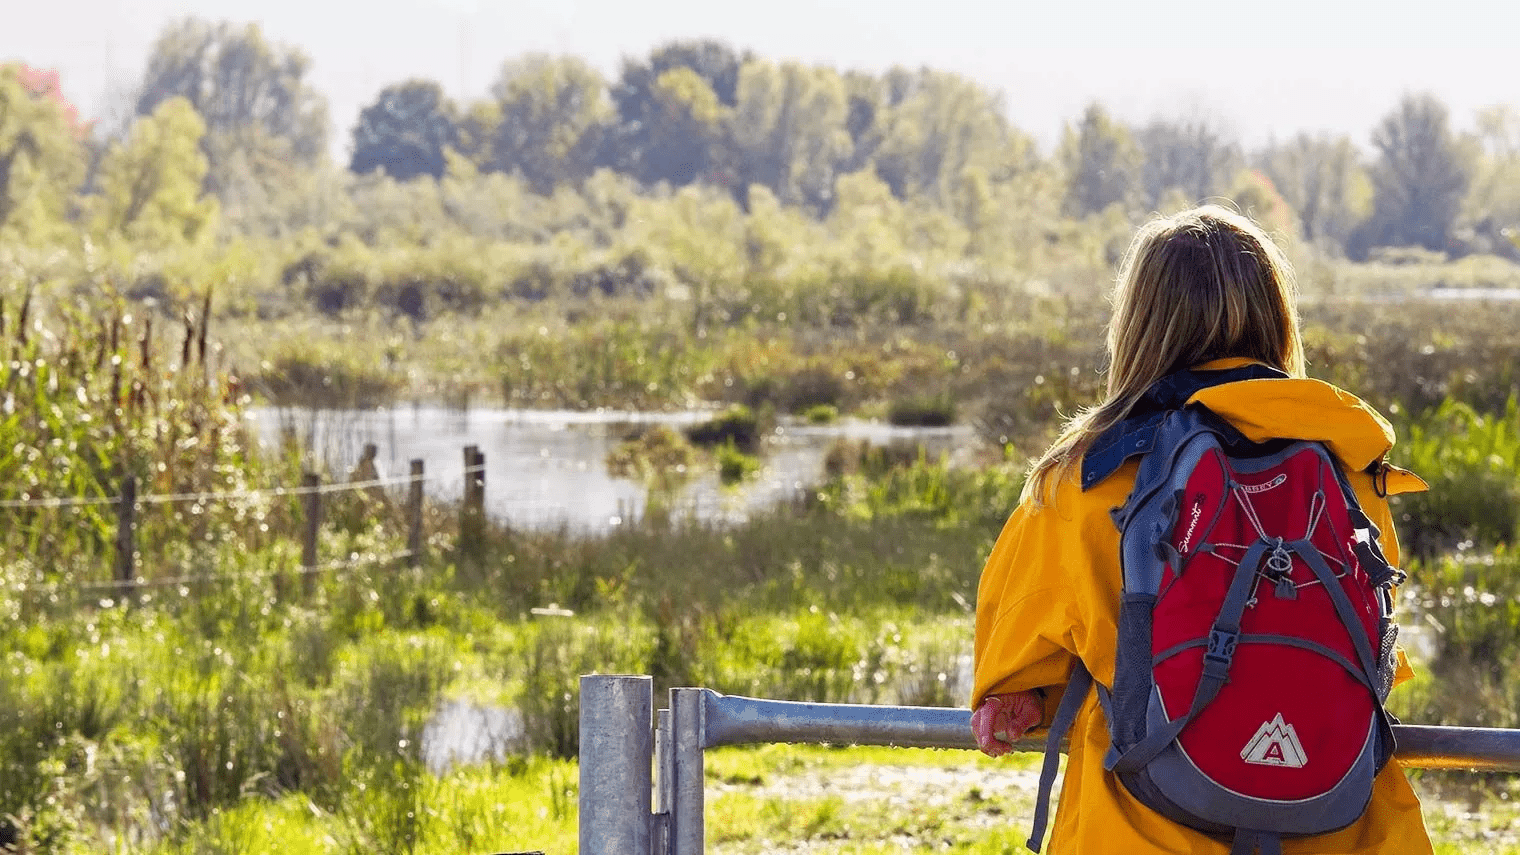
{"x": 1050, "y": 592}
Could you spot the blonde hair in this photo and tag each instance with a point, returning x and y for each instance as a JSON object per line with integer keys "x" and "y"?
{"x": 1204, "y": 284}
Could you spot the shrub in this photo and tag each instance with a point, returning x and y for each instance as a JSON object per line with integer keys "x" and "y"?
{"x": 821, "y": 414}
{"x": 658, "y": 457}
{"x": 303, "y": 377}
{"x": 1471, "y": 606}
{"x": 1472, "y": 463}
{"x": 923, "y": 411}
{"x": 734, "y": 465}
{"x": 563, "y": 651}
{"x": 738, "y": 425}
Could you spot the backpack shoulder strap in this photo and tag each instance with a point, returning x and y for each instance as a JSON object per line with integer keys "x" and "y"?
{"x": 1066, "y": 714}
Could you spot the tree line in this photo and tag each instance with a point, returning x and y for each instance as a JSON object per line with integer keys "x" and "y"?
{"x": 228, "y": 137}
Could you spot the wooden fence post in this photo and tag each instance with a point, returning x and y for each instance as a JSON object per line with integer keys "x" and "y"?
{"x": 414, "y": 516}
{"x": 472, "y": 514}
{"x": 312, "y": 501}
{"x": 126, "y": 523}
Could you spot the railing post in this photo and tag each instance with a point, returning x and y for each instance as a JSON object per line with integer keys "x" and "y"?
{"x": 414, "y": 516}
{"x": 664, "y": 793}
{"x": 126, "y": 522}
{"x": 616, "y": 749}
{"x": 688, "y": 724}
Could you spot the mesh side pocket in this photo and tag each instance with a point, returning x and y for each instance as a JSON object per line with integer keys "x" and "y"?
{"x": 1132, "y": 668}
{"x": 1388, "y": 660}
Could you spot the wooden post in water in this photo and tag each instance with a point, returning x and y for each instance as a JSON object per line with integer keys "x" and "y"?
{"x": 414, "y": 516}
{"x": 472, "y": 514}
{"x": 311, "y": 500}
{"x": 126, "y": 523}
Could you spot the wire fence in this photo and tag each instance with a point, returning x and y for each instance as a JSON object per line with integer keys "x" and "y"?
{"x": 312, "y": 491}
{"x": 210, "y": 497}
{"x": 354, "y": 561}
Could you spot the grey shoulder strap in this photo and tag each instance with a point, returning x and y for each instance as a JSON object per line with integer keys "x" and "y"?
{"x": 1066, "y": 714}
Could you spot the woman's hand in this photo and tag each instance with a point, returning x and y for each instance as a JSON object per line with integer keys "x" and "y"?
{"x": 1002, "y": 719}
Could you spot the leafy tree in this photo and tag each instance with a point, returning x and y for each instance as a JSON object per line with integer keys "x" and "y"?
{"x": 698, "y": 235}
{"x": 1191, "y": 157}
{"x": 1491, "y": 210}
{"x": 1102, "y": 163}
{"x": 778, "y": 238}
{"x": 406, "y": 131}
{"x": 789, "y": 130}
{"x": 938, "y": 126}
{"x": 475, "y": 132}
{"x": 391, "y": 212}
{"x": 1010, "y": 220}
{"x": 489, "y": 204}
{"x": 45, "y": 83}
{"x": 1499, "y": 130}
{"x": 242, "y": 86}
{"x": 872, "y": 231}
{"x": 150, "y": 188}
{"x": 554, "y": 113}
{"x": 1321, "y": 178}
{"x": 264, "y": 191}
{"x": 642, "y": 144}
{"x": 868, "y": 107}
{"x": 867, "y": 223}
{"x": 41, "y": 158}
{"x": 688, "y": 131}
{"x": 1254, "y": 194}
{"x": 1419, "y": 178}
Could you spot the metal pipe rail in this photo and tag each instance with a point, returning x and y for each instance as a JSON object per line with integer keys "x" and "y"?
{"x": 617, "y": 752}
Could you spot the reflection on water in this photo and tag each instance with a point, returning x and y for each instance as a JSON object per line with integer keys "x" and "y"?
{"x": 461, "y": 732}
{"x": 547, "y": 468}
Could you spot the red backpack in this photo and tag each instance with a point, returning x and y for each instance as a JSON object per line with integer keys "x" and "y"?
{"x": 1256, "y": 639}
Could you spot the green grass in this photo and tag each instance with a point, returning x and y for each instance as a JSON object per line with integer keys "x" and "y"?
{"x": 1472, "y": 462}
{"x": 765, "y": 798}
{"x": 516, "y": 806}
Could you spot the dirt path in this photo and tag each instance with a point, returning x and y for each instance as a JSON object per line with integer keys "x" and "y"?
{"x": 1007, "y": 795}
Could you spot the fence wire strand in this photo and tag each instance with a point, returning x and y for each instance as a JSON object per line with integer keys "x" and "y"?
{"x": 337, "y": 567}
{"x": 208, "y": 497}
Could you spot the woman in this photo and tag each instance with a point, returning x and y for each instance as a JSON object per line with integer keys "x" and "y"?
{"x": 1205, "y": 290}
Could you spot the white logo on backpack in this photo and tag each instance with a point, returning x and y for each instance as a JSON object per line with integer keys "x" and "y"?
{"x": 1275, "y": 744}
{"x": 1262, "y": 488}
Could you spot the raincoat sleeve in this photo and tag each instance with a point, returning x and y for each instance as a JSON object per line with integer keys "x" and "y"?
{"x": 1026, "y": 612}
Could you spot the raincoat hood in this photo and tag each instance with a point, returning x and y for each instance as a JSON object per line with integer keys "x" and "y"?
{"x": 1300, "y": 408}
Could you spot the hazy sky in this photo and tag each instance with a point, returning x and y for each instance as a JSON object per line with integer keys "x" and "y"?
{"x": 1260, "y": 68}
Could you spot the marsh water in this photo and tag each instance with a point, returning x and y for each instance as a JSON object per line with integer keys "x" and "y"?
{"x": 548, "y": 469}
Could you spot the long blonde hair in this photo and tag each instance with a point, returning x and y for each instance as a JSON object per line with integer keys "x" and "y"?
{"x": 1204, "y": 284}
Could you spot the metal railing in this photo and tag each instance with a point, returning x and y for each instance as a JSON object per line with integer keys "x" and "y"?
{"x": 641, "y": 788}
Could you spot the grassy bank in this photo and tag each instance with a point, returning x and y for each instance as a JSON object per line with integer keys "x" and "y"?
{"x": 220, "y": 718}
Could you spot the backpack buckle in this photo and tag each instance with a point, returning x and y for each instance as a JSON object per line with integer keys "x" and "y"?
{"x": 1216, "y": 660}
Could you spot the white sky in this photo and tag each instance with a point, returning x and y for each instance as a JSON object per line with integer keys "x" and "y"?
{"x": 1260, "y": 68}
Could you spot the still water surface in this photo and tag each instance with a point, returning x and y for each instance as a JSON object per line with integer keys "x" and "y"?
{"x": 547, "y": 468}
